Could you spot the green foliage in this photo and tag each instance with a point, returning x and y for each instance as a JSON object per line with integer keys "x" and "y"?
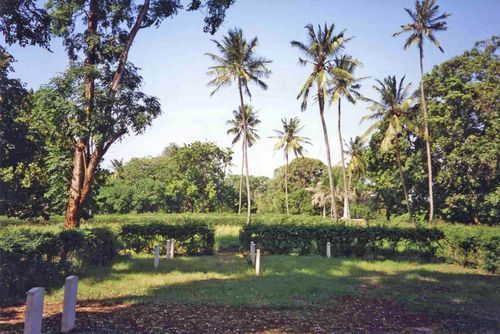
{"x": 473, "y": 246}
{"x": 285, "y": 238}
{"x": 191, "y": 237}
{"x": 37, "y": 258}
{"x": 190, "y": 178}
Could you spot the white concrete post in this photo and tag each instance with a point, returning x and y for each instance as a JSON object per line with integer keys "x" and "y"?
{"x": 157, "y": 256}
{"x": 252, "y": 253}
{"x": 257, "y": 263}
{"x": 34, "y": 311}
{"x": 168, "y": 248}
{"x": 328, "y": 249}
{"x": 172, "y": 248}
{"x": 69, "y": 308}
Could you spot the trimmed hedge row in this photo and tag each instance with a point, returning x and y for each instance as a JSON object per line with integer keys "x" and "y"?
{"x": 191, "y": 238}
{"x": 345, "y": 240}
{"x": 32, "y": 258}
{"x": 476, "y": 247}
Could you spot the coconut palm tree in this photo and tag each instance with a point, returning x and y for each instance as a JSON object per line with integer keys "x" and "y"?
{"x": 426, "y": 20}
{"x": 355, "y": 152}
{"x": 237, "y": 63}
{"x": 290, "y": 142}
{"x": 391, "y": 109}
{"x": 344, "y": 84}
{"x": 117, "y": 167}
{"x": 236, "y": 128}
{"x": 319, "y": 51}
{"x": 320, "y": 196}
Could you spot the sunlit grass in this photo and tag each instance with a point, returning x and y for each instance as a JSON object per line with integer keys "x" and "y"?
{"x": 290, "y": 281}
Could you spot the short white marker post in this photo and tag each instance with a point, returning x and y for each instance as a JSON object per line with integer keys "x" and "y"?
{"x": 252, "y": 253}
{"x": 34, "y": 311}
{"x": 157, "y": 256}
{"x": 172, "y": 248}
{"x": 257, "y": 263}
{"x": 69, "y": 308}
{"x": 168, "y": 248}
{"x": 328, "y": 249}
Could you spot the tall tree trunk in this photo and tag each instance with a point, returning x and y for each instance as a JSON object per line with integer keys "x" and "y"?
{"x": 73, "y": 208}
{"x": 402, "y": 176}
{"x": 427, "y": 139}
{"x": 81, "y": 146}
{"x": 333, "y": 206}
{"x": 347, "y": 212}
{"x": 241, "y": 175}
{"x": 245, "y": 151}
{"x": 286, "y": 184}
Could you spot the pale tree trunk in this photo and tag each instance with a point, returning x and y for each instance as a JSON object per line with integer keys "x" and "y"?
{"x": 286, "y": 184}
{"x": 241, "y": 175}
{"x": 85, "y": 162}
{"x": 245, "y": 151}
{"x": 347, "y": 212}
{"x": 426, "y": 138}
{"x": 403, "y": 181}
{"x": 333, "y": 206}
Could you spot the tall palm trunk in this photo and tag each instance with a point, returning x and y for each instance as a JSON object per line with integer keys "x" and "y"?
{"x": 426, "y": 138}
{"x": 347, "y": 213}
{"x": 241, "y": 175}
{"x": 402, "y": 176}
{"x": 245, "y": 150}
{"x": 286, "y": 184}
{"x": 333, "y": 206}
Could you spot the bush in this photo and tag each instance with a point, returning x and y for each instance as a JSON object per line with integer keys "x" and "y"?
{"x": 477, "y": 247}
{"x": 192, "y": 237}
{"x": 345, "y": 240}
{"x": 31, "y": 258}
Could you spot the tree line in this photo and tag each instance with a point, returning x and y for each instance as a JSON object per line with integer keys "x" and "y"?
{"x": 441, "y": 137}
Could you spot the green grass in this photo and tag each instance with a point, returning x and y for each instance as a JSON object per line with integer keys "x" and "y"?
{"x": 292, "y": 281}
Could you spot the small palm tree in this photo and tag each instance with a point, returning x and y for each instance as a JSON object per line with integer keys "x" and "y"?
{"x": 319, "y": 51}
{"x": 320, "y": 196}
{"x": 426, "y": 20}
{"x": 344, "y": 84}
{"x": 392, "y": 108}
{"x": 117, "y": 166}
{"x": 290, "y": 142}
{"x": 237, "y": 63}
{"x": 237, "y": 128}
{"x": 357, "y": 163}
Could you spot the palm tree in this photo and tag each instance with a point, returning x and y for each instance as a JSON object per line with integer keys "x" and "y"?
{"x": 319, "y": 51}
{"x": 357, "y": 164}
{"x": 391, "y": 109}
{"x": 426, "y": 20}
{"x": 344, "y": 84}
{"x": 289, "y": 141}
{"x": 237, "y": 128}
{"x": 238, "y": 63}
{"x": 320, "y": 195}
{"x": 117, "y": 166}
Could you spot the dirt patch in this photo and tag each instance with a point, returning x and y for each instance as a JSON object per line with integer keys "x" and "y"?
{"x": 344, "y": 315}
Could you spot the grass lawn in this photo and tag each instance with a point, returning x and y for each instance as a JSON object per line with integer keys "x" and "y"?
{"x": 293, "y": 281}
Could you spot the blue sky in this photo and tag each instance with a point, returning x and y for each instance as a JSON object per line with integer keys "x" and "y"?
{"x": 174, "y": 66}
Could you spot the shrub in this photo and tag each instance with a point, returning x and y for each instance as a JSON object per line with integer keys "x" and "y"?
{"x": 476, "y": 247}
{"x": 345, "y": 240}
{"x": 192, "y": 237}
{"x": 37, "y": 258}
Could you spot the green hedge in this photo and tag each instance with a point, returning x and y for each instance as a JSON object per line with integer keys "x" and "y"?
{"x": 345, "y": 240}
{"x": 35, "y": 258}
{"x": 476, "y": 247}
{"x": 192, "y": 237}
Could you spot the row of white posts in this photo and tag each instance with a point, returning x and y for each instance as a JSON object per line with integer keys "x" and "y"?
{"x": 34, "y": 307}
{"x": 169, "y": 255}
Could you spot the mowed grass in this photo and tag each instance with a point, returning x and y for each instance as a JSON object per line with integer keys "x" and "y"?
{"x": 289, "y": 281}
